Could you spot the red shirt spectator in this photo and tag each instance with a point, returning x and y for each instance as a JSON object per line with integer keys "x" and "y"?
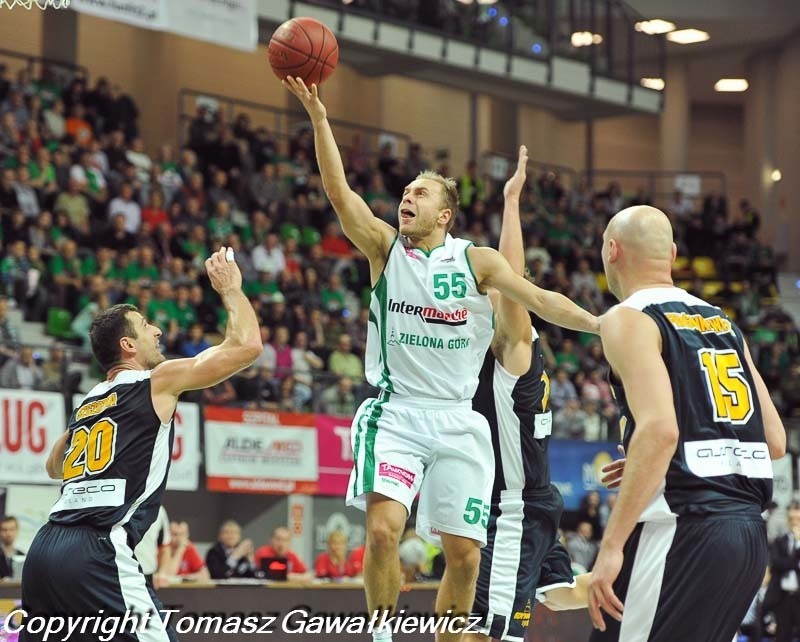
{"x": 295, "y": 563}
{"x": 334, "y": 244}
{"x": 332, "y": 564}
{"x": 325, "y": 567}
{"x": 191, "y": 562}
{"x": 279, "y": 547}
{"x": 355, "y": 563}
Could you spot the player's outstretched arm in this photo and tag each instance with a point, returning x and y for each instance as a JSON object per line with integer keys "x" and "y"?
{"x": 774, "y": 431}
{"x": 632, "y": 345}
{"x": 369, "y": 234}
{"x": 566, "y": 598}
{"x": 513, "y": 325}
{"x": 492, "y": 270}
{"x": 240, "y": 348}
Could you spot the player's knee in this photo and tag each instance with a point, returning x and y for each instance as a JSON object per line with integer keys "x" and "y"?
{"x": 382, "y": 537}
{"x": 464, "y": 561}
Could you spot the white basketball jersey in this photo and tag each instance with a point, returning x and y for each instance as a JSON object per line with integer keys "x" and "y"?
{"x": 429, "y": 327}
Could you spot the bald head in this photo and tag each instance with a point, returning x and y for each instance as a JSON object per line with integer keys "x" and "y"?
{"x": 644, "y": 231}
{"x": 638, "y": 250}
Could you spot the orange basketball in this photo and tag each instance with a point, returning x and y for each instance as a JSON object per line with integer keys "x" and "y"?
{"x": 303, "y": 47}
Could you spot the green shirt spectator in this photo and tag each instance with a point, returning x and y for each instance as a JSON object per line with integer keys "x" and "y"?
{"x": 342, "y": 360}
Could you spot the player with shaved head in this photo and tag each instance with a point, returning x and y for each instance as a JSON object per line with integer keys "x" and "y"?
{"x": 685, "y": 548}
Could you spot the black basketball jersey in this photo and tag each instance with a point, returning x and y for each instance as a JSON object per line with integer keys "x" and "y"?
{"x": 117, "y": 458}
{"x": 722, "y": 461}
{"x": 516, "y": 409}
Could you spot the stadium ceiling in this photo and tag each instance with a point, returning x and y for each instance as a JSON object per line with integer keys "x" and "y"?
{"x": 738, "y": 30}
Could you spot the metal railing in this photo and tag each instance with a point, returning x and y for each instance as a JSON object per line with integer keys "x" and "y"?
{"x": 660, "y": 185}
{"x": 282, "y": 124}
{"x": 538, "y": 29}
{"x": 63, "y": 72}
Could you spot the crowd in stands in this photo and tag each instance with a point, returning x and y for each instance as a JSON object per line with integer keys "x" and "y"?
{"x": 90, "y": 217}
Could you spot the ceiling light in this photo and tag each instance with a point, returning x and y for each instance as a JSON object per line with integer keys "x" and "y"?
{"x": 652, "y": 27}
{"x": 653, "y": 83}
{"x": 486, "y": 1}
{"x": 731, "y": 84}
{"x": 776, "y": 175}
{"x": 585, "y": 38}
{"x": 687, "y": 36}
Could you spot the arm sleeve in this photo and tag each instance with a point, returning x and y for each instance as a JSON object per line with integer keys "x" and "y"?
{"x": 297, "y": 565}
{"x": 217, "y": 565}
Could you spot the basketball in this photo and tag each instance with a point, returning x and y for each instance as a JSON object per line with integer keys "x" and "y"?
{"x": 303, "y": 47}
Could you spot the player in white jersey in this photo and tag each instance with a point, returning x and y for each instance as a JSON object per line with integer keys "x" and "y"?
{"x": 430, "y": 326}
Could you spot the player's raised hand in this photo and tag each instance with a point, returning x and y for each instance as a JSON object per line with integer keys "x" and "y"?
{"x": 601, "y": 588}
{"x": 612, "y": 473}
{"x": 223, "y": 272}
{"x": 514, "y": 185}
{"x": 309, "y": 97}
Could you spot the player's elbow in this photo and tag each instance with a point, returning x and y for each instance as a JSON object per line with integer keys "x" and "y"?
{"x": 250, "y": 352}
{"x": 776, "y": 443}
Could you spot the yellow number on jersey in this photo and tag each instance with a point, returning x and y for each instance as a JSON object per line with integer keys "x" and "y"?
{"x": 730, "y": 392}
{"x": 91, "y": 450}
{"x": 546, "y": 395}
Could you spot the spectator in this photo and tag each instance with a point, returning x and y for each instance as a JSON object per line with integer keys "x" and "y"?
{"x": 231, "y": 557}
{"x": 27, "y": 198}
{"x": 268, "y": 394}
{"x": 54, "y": 120}
{"x": 569, "y": 421}
{"x": 53, "y": 370}
{"x": 195, "y": 342}
{"x": 266, "y": 187}
{"x": 21, "y": 372}
{"x": 471, "y": 187}
{"x": 269, "y": 257}
{"x": 75, "y": 204}
{"x": 11, "y": 555}
{"x": 279, "y": 547}
{"x": 185, "y": 561}
{"x": 339, "y": 399}
{"x": 355, "y": 561}
{"x": 129, "y": 208}
{"x": 304, "y": 361}
{"x": 562, "y": 390}
{"x": 343, "y": 362}
{"x": 78, "y": 127}
{"x": 117, "y": 237}
{"x": 137, "y": 156}
{"x": 268, "y": 357}
{"x": 784, "y": 590}
{"x": 590, "y": 511}
{"x": 332, "y": 564}
{"x": 581, "y": 545}
{"x": 567, "y": 358}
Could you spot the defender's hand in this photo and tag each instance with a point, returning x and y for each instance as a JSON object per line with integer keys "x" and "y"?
{"x": 601, "y": 589}
{"x": 309, "y": 98}
{"x": 224, "y": 275}
{"x": 514, "y": 185}
{"x": 612, "y": 473}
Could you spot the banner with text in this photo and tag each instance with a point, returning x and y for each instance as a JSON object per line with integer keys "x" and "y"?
{"x": 231, "y": 23}
{"x": 31, "y": 424}
{"x": 252, "y": 451}
{"x": 335, "y": 454}
{"x": 150, "y": 14}
{"x": 184, "y": 471}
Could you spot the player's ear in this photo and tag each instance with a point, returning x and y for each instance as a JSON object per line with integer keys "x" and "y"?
{"x": 127, "y": 344}
{"x": 674, "y": 253}
{"x": 445, "y": 216}
{"x": 614, "y": 250}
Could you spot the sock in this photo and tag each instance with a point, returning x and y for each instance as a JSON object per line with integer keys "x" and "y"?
{"x": 383, "y": 634}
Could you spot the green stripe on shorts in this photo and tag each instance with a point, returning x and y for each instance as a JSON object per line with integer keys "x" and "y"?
{"x": 369, "y": 443}
{"x": 356, "y": 447}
